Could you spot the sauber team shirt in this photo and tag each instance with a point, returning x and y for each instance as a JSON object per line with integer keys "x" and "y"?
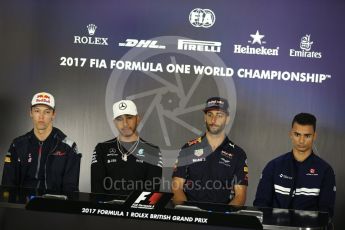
{"x": 307, "y": 185}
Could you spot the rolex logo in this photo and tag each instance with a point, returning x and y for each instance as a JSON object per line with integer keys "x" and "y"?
{"x": 91, "y": 28}
{"x": 90, "y": 40}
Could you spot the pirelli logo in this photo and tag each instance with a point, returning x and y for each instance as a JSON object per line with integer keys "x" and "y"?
{"x": 201, "y": 46}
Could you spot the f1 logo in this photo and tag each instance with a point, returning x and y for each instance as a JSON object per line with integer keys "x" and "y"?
{"x": 148, "y": 200}
{"x": 142, "y": 197}
{"x": 153, "y": 199}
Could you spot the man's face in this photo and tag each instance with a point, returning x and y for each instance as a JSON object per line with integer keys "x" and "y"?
{"x": 216, "y": 120}
{"x": 302, "y": 137}
{"x": 42, "y": 116}
{"x": 126, "y": 125}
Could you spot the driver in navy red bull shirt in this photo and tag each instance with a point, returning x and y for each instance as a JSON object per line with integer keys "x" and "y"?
{"x": 212, "y": 168}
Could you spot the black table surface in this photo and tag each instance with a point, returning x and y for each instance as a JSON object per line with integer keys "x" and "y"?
{"x": 18, "y": 198}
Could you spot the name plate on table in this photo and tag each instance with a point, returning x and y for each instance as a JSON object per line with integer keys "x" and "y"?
{"x": 146, "y": 206}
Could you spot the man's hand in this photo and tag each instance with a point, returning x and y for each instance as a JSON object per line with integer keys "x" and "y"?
{"x": 177, "y": 189}
{"x": 240, "y": 195}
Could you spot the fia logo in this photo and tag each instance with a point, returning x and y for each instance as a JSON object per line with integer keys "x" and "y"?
{"x": 202, "y": 18}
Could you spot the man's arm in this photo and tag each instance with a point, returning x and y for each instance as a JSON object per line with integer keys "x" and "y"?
{"x": 327, "y": 193}
{"x": 10, "y": 168}
{"x": 98, "y": 173}
{"x": 179, "y": 177}
{"x": 72, "y": 170}
{"x": 240, "y": 195}
{"x": 177, "y": 189}
{"x": 240, "y": 181}
{"x": 154, "y": 174}
{"x": 265, "y": 192}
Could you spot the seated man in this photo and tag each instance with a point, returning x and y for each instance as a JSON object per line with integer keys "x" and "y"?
{"x": 44, "y": 157}
{"x": 127, "y": 162}
{"x": 211, "y": 168}
{"x": 298, "y": 179}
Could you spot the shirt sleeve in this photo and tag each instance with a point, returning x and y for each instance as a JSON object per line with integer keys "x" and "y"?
{"x": 327, "y": 192}
{"x": 241, "y": 174}
{"x": 11, "y": 168}
{"x": 154, "y": 173}
{"x": 264, "y": 192}
{"x": 72, "y": 170}
{"x": 98, "y": 173}
{"x": 180, "y": 166}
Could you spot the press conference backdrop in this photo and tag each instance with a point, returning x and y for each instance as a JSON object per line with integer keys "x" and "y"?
{"x": 270, "y": 59}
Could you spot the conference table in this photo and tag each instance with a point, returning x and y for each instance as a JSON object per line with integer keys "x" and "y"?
{"x": 24, "y": 208}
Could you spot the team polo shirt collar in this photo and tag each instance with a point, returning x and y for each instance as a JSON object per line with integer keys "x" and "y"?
{"x": 307, "y": 160}
{"x": 224, "y": 145}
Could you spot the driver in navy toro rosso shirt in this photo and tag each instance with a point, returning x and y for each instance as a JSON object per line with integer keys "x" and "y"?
{"x": 43, "y": 158}
{"x": 211, "y": 168}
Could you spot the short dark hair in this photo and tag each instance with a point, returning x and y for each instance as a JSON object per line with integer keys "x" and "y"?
{"x": 43, "y": 104}
{"x": 305, "y": 119}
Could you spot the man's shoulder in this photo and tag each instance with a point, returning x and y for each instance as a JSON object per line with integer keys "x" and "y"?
{"x": 148, "y": 144}
{"x": 233, "y": 148}
{"x": 107, "y": 143}
{"x": 69, "y": 142}
{"x": 281, "y": 159}
{"x": 194, "y": 141}
{"x": 23, "y": 138}
{"x": 64, "y": 139}
{"x": 106, "y": 146}
{"x": 321, "y": 162}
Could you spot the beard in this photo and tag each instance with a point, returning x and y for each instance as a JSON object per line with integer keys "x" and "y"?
{"x": 215, "y": 129}
{"x": 129, "y": 131}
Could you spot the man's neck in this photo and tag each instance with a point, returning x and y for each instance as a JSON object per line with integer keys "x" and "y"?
{"x": 43, "y": 134}
{"x": 301, "y": 156}
{"x": 132, "y": 138}
{"x": 215, "y": 140}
